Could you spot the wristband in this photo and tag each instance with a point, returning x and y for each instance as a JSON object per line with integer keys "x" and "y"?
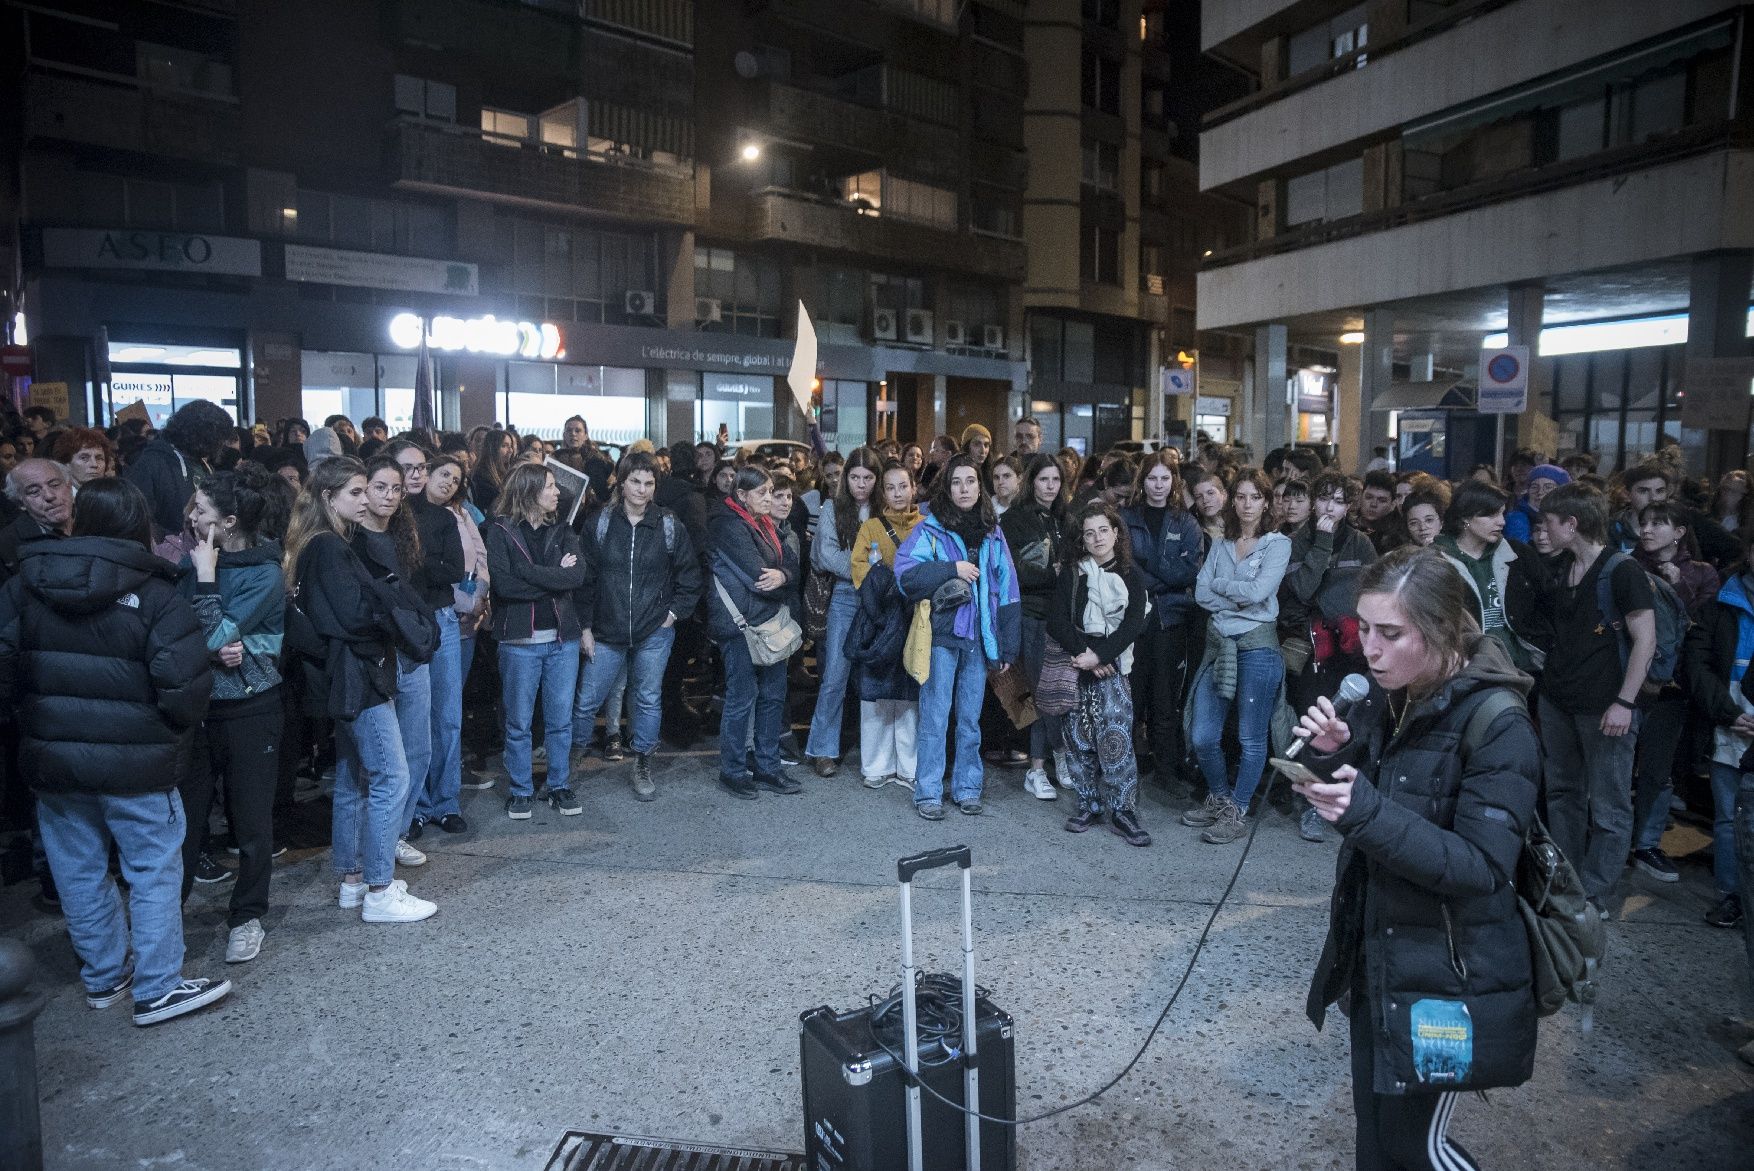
{"x": 1622, "y": 703}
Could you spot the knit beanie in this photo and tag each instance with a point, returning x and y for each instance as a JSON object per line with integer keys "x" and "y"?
{"x": 976, "y": 431}
{"x": 1550, "y": 472}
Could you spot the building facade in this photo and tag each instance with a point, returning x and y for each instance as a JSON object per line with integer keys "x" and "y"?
{"x": 1429, "y": 177}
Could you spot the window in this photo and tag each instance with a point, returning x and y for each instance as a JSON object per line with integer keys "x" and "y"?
{"x": 1099, "y": 255}
{"x": 1336, "y": 37}
{"x": 1102, "y": 164}
{"x": 382, "y": 225}
{"x": 1101, "y": 82}
{"x": 503, "y": 126}
{"x": 995, "y": 213}
{"x": 879, "y": 193}
{"x": 421, "y": 98}
{"x": 747, "y": 288}
{"x": 938, "y": 12}
{"x": 114, "y": 200}
{"x": 1329, "y": 194}
{"x": 563, "y": 273}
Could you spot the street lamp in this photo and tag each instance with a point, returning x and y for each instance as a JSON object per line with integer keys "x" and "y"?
{"x": 751, "y": 152}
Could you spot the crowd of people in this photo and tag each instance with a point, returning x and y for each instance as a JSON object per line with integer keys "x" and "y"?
{"x": 207, "y": 614}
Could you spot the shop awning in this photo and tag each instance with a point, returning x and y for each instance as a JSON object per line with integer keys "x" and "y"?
{"x": 1445, "y": 394}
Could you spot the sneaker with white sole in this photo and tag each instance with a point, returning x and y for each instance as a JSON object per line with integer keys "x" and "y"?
{"x": 1036, "y": 784}
{"x": 352, "y": 894}
{"x": 245, "y": 942}
{"x": 184, "y": 998}
{"x": 1062, "y": 771}
{"x": 394, "y": 904}
{"x": 111, "y": 994}
{"x": 875, "y": 782}
{"x": 407, "y": 855}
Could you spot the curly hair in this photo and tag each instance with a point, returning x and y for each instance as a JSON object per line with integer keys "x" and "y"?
{"x": 198, "y": 429}
{"x": 74, "y": 440}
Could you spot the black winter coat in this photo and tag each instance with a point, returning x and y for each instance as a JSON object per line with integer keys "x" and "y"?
{"x": 633, "y": 580}
{"x": 877, "y": 636}
{"x": 441, "y": 555}
{"x": 358, "y": 667}
{"x": 1709, "y": 656}
{"x": 738, "y": 558}
{"x": 526, "y": 574}
{"x": 1425, "y": 906}
{"x": 167, "y": 478}
{"x": 1024, "y": 524}
{"x": 103, "y": 665}
{"x": 15, "y": 535}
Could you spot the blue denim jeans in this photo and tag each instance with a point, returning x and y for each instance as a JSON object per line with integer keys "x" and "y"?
{"x": 554, "y": 667}
{"x": 1726, "y": 783}
{"x": 414, "y": 717}
{"x": 444, "y": 777}
{"x": 642, "y": 665}
{"x": 956, "y": 686}
{"x": 371, "y": 792}
{"x": 751, "y": 689}
{"x": 831, "y": 654}
{"x": 1258, "y": 675}
{"x": 76, "y": 831}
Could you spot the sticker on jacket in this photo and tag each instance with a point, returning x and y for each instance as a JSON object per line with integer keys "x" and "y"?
{"x": 1443, "y": 1042}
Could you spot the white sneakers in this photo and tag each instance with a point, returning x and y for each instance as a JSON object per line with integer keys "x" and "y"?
{"x": 1036, "y": 784}
{"x": 245, "y": 942}
{"x": 1060, "y": 769}
{"x": 407, "y": 855}
{"x": 393, "y": 904}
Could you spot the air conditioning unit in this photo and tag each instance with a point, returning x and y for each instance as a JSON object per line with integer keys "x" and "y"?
{"x": 641, "y": 303}
{"x": 955, "y": 333}
{"x": 883, "y": 325}
{"x": 919, "y": 326}
{"x": 708, "y": 309}
{"x": 992, "y": 337}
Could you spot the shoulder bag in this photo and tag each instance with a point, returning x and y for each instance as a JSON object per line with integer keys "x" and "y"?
{"x": 770, "y": 642}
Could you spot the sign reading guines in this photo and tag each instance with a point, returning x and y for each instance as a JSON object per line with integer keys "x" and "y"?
{"x": 479, "y": 335}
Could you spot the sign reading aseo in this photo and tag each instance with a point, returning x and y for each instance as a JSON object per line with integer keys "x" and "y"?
{"x": 1504, "y": 381}
{"x": 170, "y": 251}
{"x": 479, "y": 335}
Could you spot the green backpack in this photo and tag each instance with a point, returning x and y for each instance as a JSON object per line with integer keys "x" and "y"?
{"x": 1566, "y": 937}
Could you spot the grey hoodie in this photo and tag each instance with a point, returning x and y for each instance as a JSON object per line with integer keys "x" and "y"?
{"x": 323, "y": 444}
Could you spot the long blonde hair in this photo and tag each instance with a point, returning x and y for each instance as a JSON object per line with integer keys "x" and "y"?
{"x": 312, "y": 513}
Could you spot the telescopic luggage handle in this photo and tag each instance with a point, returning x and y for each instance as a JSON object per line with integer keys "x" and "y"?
{"x": 906, "y": 868}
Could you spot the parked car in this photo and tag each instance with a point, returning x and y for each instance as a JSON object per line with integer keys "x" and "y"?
{"x": 767, "y": 449}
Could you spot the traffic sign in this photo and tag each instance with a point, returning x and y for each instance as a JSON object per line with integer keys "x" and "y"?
{"x": 16, "y": 361}
{"x": 1504, "y": 381}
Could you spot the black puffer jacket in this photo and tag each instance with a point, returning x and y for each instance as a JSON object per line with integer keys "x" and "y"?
{"x": 103, "y": 664}
{"x": 1426, "y": 898}
{"x": 636, "y": 576}
{"x": 738, "y": 557}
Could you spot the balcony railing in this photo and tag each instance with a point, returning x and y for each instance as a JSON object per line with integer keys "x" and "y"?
{"x": 122, "y": 114}
{"x": 781, "y": 215}
{"x": 438, "y": 156}
{"x": 808, "y": 115}
{"x": 1694, "y": 140}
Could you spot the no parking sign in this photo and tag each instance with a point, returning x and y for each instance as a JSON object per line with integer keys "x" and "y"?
{"x": 1504, "y": 381}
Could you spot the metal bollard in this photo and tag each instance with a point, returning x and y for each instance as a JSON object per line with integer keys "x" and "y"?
{"x": 21, "y": 1123}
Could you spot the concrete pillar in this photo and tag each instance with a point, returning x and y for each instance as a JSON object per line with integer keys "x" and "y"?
{"x": 1717, "y": 322}
{"x": 1266, "y": 413}
{"x": 1349, "y": 435}
{"x": 1376, "y": 358}
{"x": 1526, "y": 308}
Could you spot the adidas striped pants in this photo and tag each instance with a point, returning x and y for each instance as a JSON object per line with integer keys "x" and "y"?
{"x": 1399, "y": 1132}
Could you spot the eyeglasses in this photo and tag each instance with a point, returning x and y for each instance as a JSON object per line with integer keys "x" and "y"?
{"x": 410, "y": 468}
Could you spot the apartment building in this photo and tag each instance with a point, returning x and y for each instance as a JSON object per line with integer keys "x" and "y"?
{"x": 1428, "y": 176}
{"x": 579, "y": 205}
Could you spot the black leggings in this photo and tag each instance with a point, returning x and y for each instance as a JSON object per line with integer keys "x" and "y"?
{"x": 1399, "y": 1132}
{"x": 1160, "y": 671}
{"x": 236, "y": 752}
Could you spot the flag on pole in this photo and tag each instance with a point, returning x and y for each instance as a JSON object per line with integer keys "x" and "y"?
{"x": 424, "y": 417}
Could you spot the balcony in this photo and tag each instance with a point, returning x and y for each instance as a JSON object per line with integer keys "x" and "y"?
{"x": 458, "y": 161}
{"x": 121, "y": 114}
{"x": 792, "y": 217}
{"x": 806, "y": 115}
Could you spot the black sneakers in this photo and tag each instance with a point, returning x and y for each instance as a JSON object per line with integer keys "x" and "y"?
{"x": 453, "y": 823}
{"x": 1728, "y": 912}
{"x": 1082, "y": 820}
{"x": 564, "y": 802}
{"x": 208, "y": 871}
{"x": 778, "y": 783}
{"x": 111, "y": 994}
{"x": 518, "y": 808}
{"x": 184, "y": 998}
{"x": 739, "y": 786}
{"x": 1125, "y": 825}
{"x": 1656, "y": 864}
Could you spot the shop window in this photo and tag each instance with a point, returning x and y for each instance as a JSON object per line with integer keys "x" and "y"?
{"x": 743, "y": 403}
{"x": 845, "y": 414}
{"x": 163, "y": 377}
{"x": 541, "y": 396}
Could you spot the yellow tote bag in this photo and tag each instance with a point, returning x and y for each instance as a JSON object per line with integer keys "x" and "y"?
{"x": 916, "y": 653}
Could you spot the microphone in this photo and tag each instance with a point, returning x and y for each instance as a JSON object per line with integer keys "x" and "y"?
{"x": 1353, "y": 689}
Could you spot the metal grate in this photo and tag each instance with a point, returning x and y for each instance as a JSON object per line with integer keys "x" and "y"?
{"x": 581, "y": 1151}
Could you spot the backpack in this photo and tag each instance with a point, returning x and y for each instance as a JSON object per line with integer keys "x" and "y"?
{"x": 1566, "y": 939}
{"x": 669, "y": 527}
{"x": 1671, "y": 617}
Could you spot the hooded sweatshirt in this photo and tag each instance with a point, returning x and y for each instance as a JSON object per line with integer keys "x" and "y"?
{"x": 102, "y": 664}
{"x": 323, "y": 444}
{"x": 246, "y": 603}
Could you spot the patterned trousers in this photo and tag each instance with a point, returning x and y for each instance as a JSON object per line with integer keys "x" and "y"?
{"x": 1099, "y": 745}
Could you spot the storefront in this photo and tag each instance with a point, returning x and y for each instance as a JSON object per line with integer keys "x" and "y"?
{"x": 162, "y": 376}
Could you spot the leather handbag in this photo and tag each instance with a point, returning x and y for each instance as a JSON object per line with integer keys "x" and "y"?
{"x": 770, "y": 642}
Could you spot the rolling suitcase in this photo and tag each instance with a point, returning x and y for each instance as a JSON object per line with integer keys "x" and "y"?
{"x": 861, "y": 1110}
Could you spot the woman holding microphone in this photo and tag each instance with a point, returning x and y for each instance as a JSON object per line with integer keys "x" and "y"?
{"x": 1426, "y": 949}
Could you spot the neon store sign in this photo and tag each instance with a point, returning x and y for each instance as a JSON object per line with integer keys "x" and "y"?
{"x": 478, "y": 335}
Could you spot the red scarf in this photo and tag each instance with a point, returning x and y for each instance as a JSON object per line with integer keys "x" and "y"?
{"x": 763, "y": 527}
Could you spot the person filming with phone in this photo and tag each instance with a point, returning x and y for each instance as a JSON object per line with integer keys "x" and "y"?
{"x": 1426, "y": 951}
